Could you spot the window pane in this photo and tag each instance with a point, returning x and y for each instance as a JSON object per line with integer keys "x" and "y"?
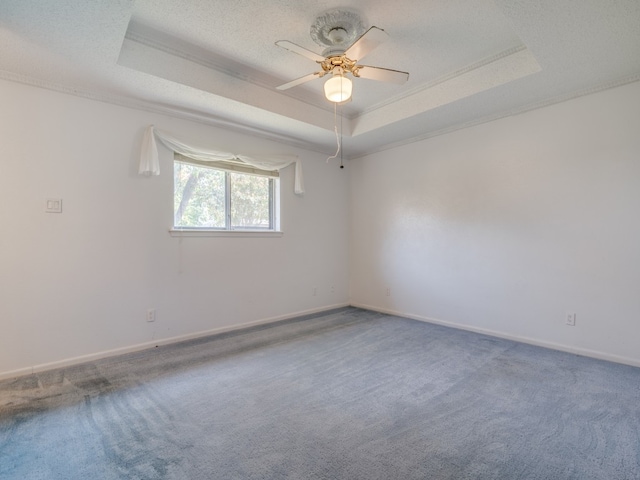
{"x": 250, "y": 200}
{"x": 199, "y": 196}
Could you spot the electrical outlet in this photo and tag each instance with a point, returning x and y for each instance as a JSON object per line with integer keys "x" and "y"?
{"x": 314, "y": 292}
{"x": 151, "y": 315}
{"x": 53, "y": 205}
{"x": 388, "y": 292}
{"x": 570, "y": 319}
{"x": 331, "y": 289}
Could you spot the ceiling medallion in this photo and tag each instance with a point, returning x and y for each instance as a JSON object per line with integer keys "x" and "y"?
{"x": 337, "y": 29}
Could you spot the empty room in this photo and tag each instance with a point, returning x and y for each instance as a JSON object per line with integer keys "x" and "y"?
{"x": 320, "y": 240}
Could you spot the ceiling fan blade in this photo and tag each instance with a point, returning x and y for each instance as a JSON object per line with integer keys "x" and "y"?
{"x": 383, "y": 74}
{"x": 298, "y": 81}
{"x": 367, "y": 42}
{"x": 292, "y": 47}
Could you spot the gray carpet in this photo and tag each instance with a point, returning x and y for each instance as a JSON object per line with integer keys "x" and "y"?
{"x": 347, "y": 395}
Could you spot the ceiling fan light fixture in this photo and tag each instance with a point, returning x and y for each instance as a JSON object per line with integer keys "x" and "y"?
{"x": 338, "y": 88}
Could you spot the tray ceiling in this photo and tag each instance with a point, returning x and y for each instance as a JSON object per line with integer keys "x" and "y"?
{"x": 216, "y": 61}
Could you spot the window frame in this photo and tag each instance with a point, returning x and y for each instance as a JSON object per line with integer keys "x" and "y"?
{"x": 229, "y": 167}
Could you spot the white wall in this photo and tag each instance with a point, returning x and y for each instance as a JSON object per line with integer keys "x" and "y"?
{"x": 79, "y": 283}
{"x": 503, "y": 227}
{"x": 506, "y": 226}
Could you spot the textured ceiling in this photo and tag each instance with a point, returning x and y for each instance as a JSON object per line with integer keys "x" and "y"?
{"x": 469, "y": 61}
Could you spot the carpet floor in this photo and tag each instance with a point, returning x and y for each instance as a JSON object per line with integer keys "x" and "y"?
{"x": 348, "y": 394}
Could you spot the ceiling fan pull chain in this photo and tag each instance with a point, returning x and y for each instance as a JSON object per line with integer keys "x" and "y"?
{"x": 335, "y": 129}
{"x": 341, "y": 150}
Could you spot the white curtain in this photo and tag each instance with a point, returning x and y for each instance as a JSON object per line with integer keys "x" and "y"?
{"x": 149, "y": 164}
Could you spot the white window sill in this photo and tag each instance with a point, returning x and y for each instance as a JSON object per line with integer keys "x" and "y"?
{"x": 224, "y": 233}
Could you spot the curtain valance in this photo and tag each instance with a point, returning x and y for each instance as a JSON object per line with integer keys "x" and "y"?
{"x": 150, "y": 165}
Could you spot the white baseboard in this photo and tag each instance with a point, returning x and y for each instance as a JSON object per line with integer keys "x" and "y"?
{"x": 164, "y": 341}
{"x": 517, "y": 338}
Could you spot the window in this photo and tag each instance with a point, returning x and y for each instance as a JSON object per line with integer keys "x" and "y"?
{"x": 224, "y": 196}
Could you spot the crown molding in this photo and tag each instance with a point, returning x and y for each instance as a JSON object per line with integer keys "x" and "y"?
{"x": 173, "y": 46}
{"x": 128, "y": 102}
{"x": 444, "y": 78}
{"x": 206, "y": 59}
{"x": 183, "y": 114}
{"x": 509, "y": 113}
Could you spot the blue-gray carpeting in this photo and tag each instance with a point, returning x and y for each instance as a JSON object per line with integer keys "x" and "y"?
{"x": 350, "y": 394}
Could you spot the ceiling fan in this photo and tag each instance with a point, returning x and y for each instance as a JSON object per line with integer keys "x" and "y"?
{"x": 341, "y": 32}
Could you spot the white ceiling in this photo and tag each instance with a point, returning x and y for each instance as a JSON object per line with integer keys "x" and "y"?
{"x": 469, "y": 60}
